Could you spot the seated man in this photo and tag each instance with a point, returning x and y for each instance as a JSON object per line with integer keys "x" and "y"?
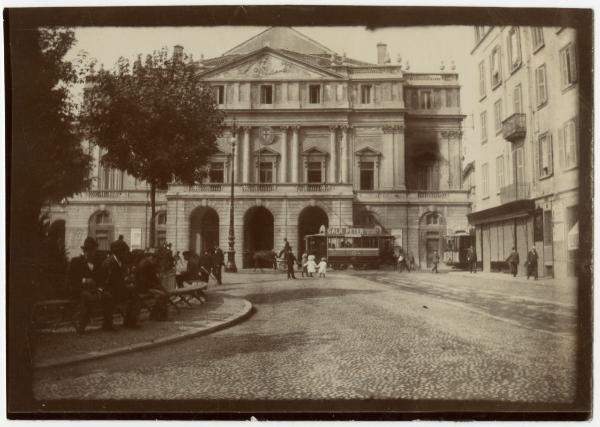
{"x": 147, "y": 279}
{"x": 116, "y": 289}
{"x": 84, "y": 278}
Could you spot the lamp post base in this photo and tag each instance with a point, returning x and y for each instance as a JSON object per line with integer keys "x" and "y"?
{"x": 230, "y": 265}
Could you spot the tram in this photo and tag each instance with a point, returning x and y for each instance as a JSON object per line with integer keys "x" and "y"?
{"x": 361, "y": 248}
{"x": 457, "y": 245}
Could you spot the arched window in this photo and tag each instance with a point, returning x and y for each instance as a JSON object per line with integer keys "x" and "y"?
{"x": 433, "y": 219}
{"x": 161, "y": 228}
{"x": 101, "y": 228}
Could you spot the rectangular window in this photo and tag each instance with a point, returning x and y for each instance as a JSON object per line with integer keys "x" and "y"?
{"x": 367, "y": 174}
{"x": 314, "y": 94}
{"x": 485, "y": 180}
{"x": 365, "y": 94}
{"x": 517, "y": 99}
{"x": 217, "y": 172}
{"x": 547, "y": 227}
{"x": 314, "y": 172}
{"x": 482, "y": 79}
{"x": 425, "y": 99}
{"x": 219, "y": 94}
{"x": 514, "y": 48}
{"x": 545, "y": 156}
{"x": 499, "y": 173}
{"x": 498, "y": 116}
{"x": 570, "y": 143}
{"x": 537, "y": 37}
{"x": 540, "y": 84}
{"x": 484, "y": 132}
{"x": 568, "y": 70}
{"x": 519, "y": 167}
{"x": 266, "y": 94}
{"x": 496, "y": 67}
{"x": 266, "y": 172}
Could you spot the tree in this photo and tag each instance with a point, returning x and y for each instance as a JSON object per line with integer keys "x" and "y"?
{"x": 47, "y": 164}
{"x": 157, "y": 121}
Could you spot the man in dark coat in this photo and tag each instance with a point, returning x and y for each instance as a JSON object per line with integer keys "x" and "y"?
{"x": 290, "y": 259}
{"x": 147, "y": 279}
{"x": 472, "y": 260}
{"x": 532, "y": 261}
{"x": 84, "y": 278}
{"x": 435, "y": 259}
{"x": 206, "y": 266}
{"x": 218, "y": 263}
{"x": 116, "y": 288}
{"x": 286, "y": 247}
{"x": 513, "y": 261}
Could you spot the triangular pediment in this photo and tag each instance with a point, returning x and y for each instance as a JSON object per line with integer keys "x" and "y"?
{"x": 314, "y": 151}
{"x": 265, "y": 151}
{"x": 268, "y": 64}
{"x": 368, "y": 151}
{"x": 280, "y": 38}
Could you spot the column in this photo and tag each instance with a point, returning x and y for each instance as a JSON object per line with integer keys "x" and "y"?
{"x": 235, "y": 163}
{"x": 332, "y": 155}
{"x": 344, "y": 155}
{"x": 246, "y": 163}
{"x": 390, "y": 168}
{"x": 295, "y": 143}
{"x": 284, "y": 156}
{"x": 444, "y": 164}
{"x": 399, "y": 160}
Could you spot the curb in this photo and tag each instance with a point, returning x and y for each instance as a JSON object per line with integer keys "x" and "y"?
{"x": 245, "y": 313}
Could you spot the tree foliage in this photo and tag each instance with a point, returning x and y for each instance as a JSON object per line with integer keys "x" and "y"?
{"x": 156, "y": 119}
{"x": 47, "y": 164}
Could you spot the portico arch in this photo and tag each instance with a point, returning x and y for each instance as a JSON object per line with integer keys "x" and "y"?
{"x": 432, "y": 229}
{"x": 204, "y": 229}
{"x": 310, "y": 220}
{"x": 258, "y": 234}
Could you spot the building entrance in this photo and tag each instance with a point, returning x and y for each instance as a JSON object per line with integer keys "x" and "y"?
{"x": 258, "y": 236}
{"x": 431, "y": 246}
{"x": 310, "y": 220}
{"x": 204, "y": 229}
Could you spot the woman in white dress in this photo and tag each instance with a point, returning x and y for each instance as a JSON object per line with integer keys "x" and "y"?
{"x": 311, "y": 265}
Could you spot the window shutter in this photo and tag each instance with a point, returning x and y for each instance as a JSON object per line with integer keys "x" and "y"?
{"x": 550, "y": 154}
{"x": 561, "y": 147}
{"x": 573, "y": 63}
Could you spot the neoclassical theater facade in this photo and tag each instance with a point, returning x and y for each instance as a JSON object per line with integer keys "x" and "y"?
{"x": 321, "y": 139}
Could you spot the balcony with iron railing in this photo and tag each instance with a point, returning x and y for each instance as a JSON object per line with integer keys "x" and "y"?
{"x": 257, "y": 189}
{"x": 119, "y": 196}
{"x": 518, "y": 191}
{"x": 414, "y": 196}
{"x": 514, "y": 128}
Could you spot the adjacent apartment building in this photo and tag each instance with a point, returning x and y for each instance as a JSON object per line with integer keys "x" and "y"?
{"x": 321, "y": 140}
{"x": 526, "y": 147}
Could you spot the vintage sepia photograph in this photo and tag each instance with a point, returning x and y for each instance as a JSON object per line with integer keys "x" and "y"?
{"x": 299, "y": 212}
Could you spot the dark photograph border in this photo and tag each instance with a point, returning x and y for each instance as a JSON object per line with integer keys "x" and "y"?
{"x": 20, "y": 404}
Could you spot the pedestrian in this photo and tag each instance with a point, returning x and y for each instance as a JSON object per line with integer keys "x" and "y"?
{"x": 206, "y": 265}
{"x": 180, "y": 269}
{"x": 322, "y": 267}
{"x": 304, "y": 265}
{"x": 472, "y": 260}
{"x": 436, "y": 260}
{"x": 83, "y": 279}
{"x": 286, "y": 247}
{"x": 311, "y": 265}
{"x": 513, "y": 261}
{"x": 411, "y": 261}
{"x": 290, "y": 259}
{"x": 219, "y": 262}
{"x": 116, "y": 289}
{"x": 147, "y": 279}
{"x": 532, "y": 263}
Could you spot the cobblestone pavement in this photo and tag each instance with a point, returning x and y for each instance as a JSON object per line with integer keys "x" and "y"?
{"x": 356, "y": 335}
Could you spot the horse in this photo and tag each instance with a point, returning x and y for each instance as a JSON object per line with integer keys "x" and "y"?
{"x": 268, "y": 256}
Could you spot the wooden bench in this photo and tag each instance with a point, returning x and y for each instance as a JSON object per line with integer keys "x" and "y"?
{"x": 187, "y": 293}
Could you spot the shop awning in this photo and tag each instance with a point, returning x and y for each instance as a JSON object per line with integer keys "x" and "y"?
{"x": 515, "y": 209}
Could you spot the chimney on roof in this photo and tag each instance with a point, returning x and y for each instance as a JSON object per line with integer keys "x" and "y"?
{"x": 177, "y": 52}
{"x": 382, "y": 54}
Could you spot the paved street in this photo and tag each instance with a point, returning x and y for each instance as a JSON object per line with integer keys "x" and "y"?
{"x": 357, "y": 335}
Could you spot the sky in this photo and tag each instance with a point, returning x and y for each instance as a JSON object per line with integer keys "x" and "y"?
{"x": 423, "y": 47}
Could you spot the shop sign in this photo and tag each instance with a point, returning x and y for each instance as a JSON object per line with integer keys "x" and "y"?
{"x": 354, "y": 231}
{"x": 136, "y": 238}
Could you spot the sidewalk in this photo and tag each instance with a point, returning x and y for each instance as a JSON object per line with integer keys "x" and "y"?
{"x": 64, "y": 346}
{"x": 519, "y": 279}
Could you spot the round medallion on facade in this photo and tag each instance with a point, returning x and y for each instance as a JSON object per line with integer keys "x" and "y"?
{"x": 266, "y": 134}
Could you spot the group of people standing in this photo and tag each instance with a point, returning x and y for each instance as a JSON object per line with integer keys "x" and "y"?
{"x": 189, "y": 266}
{"x": 531, "y": 263}
{"x": 308, "y": 263}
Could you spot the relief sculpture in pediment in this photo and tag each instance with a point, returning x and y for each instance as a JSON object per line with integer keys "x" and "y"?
{"x": 269, "y": 67}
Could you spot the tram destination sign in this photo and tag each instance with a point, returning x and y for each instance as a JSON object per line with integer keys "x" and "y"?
{"x": 354, "y": 231}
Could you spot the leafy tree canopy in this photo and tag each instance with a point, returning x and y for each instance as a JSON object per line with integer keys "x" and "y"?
{"x": 156, "y": 119}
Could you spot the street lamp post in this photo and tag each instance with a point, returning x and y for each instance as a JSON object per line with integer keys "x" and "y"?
{"x": 230, "y": 266}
